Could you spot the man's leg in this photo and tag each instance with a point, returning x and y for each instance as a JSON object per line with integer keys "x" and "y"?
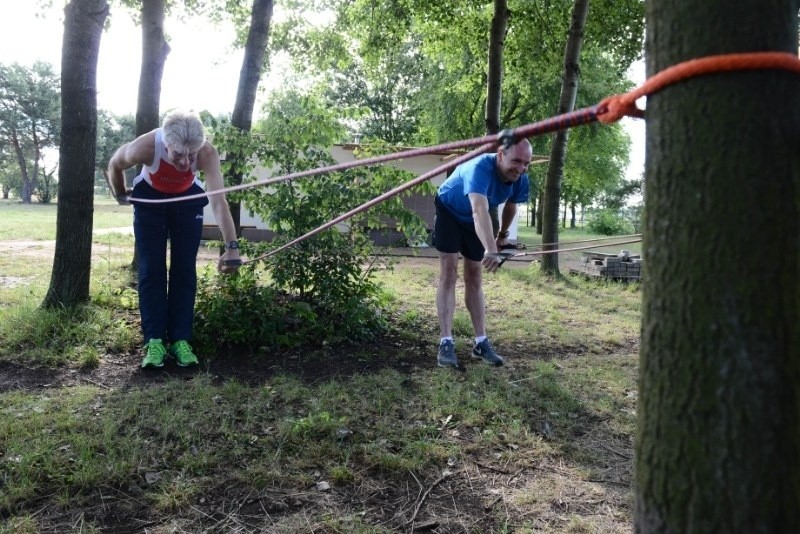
{"x": 476, "y": 304}
{"x": 445, "y": 308}
{"x": 446, "y": 292}
{"x": 473, "y": 295}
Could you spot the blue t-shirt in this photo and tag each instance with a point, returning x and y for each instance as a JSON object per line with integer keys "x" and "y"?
{"x": 480, "y": 175}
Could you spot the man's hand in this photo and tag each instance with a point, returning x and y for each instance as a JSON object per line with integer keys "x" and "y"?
{"x": 494, "y": 260}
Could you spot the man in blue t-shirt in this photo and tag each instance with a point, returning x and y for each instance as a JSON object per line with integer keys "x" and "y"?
{"x": 463, "y": 225}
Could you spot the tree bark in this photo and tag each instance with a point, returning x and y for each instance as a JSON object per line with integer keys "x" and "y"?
{"x": 494, "y": 78}
{"x": 572, "y": 219}
{"x": 540, "y": 211}
{"x": 83, "y": 26}
{"x": 27, "y": 185}
{"x": 719, "y": 417}
{"x": 558, "y": 152}
{"x": 249, "y": 78}
{"x": 155, "y": 50}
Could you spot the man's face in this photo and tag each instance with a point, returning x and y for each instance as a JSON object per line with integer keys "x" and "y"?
{"x": 181, "y": 159}
{"x": 513, "y": 162}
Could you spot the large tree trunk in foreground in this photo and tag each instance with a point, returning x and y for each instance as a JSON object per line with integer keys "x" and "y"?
{"x": 558, "y": 152}
{"x": 719, "y": 410}
{"x": 83, "y": 26}
{"x": 249, "y": 78}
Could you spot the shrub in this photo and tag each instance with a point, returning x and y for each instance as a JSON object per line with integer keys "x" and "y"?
{"x": 608, "y": 222}
{"x": 320, "y": 289}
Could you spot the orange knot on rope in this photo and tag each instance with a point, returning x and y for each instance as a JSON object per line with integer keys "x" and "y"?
{"x": 613, "y": 108}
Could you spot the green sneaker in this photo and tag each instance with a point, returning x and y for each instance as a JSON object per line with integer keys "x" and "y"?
{"x": 154, "y": 354}
{"x": 183, "y": 353}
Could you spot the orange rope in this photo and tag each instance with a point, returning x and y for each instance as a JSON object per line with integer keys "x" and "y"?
{"x": 615, "y": 107}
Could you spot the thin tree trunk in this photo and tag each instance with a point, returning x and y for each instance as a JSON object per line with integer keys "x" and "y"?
{"x": 494, "y": 79}
{"x": 572, "y": 216}
{"x": 540, "y": 211}
{"x": 558, "y": 153}
{"x": 27, "y": 186}
{"x": 494, "y": 82}
{"x": 719, "y": 417}
{"x": 83, "y": 26}
{"x": 249, "y": 77}
{"x": 155, "y": 50}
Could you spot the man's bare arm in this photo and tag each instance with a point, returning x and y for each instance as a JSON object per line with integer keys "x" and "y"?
{"x": 483, "y": 222}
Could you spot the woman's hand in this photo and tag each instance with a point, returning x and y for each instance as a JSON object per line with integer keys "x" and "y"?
{"x": 229, "y": 262}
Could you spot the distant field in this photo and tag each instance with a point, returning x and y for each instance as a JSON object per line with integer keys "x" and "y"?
{"x": 38, "y": 221}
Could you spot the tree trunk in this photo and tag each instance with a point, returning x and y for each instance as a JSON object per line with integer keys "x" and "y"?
{"x": 719, "y": 424}
{"x": 540, "y": 211}
{"x": 83, "y": 26}
{"x": 154, "y": 56}
{"x": 155, "y": 50}
{"x": 249, "y": 77}
{"x": 27, "y": 186}
{"x": 494, "y": 82}
{"x": 558, "y": 152}
{"x": 572, "y": 216}
{"x": 494, "y": 78}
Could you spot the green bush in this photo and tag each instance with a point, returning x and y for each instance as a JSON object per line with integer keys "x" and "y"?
{"x": 237, "y": 309}
{"x": 608, "y": 222}
{"x": 321, "y": 288}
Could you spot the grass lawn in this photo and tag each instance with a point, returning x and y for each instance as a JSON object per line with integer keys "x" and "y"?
{"x": 369, "y": 437}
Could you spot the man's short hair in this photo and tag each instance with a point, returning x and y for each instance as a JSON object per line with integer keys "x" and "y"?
{"x": 183, "y": 131}
{"x": 515, "y": 142}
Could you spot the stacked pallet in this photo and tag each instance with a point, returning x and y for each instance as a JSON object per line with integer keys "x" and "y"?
{"x": 622, "y": 266}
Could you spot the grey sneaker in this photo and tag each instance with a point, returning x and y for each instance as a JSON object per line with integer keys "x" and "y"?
{"x": 485, "y": 352}
{"x": 447, "y": 354}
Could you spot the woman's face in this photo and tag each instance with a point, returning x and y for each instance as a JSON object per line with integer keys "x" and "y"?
{"x": 180, "y": 158}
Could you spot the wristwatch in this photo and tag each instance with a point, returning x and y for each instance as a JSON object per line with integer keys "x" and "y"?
{"x": 232, "y": 245}
{"x": 502, "y": 234}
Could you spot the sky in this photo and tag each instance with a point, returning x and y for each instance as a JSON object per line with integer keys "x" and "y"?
{"x": 202, "y": 70}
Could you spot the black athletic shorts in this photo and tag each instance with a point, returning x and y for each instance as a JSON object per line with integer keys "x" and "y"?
{"x": 451, "y": 235}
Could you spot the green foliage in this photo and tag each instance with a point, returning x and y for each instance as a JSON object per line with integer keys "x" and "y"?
{"x": 112, "y": 131}
{"x": 240, "y": 309}
{"x": 609, "y": 222}
{"x": 46, "y": 188}
{"x": 388, "y": 90}
{"x": 30, "y": 111}
{"x": 635, "y": 216}
{"x": 322, "y": 287}
{"x": 417, "y": 69}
